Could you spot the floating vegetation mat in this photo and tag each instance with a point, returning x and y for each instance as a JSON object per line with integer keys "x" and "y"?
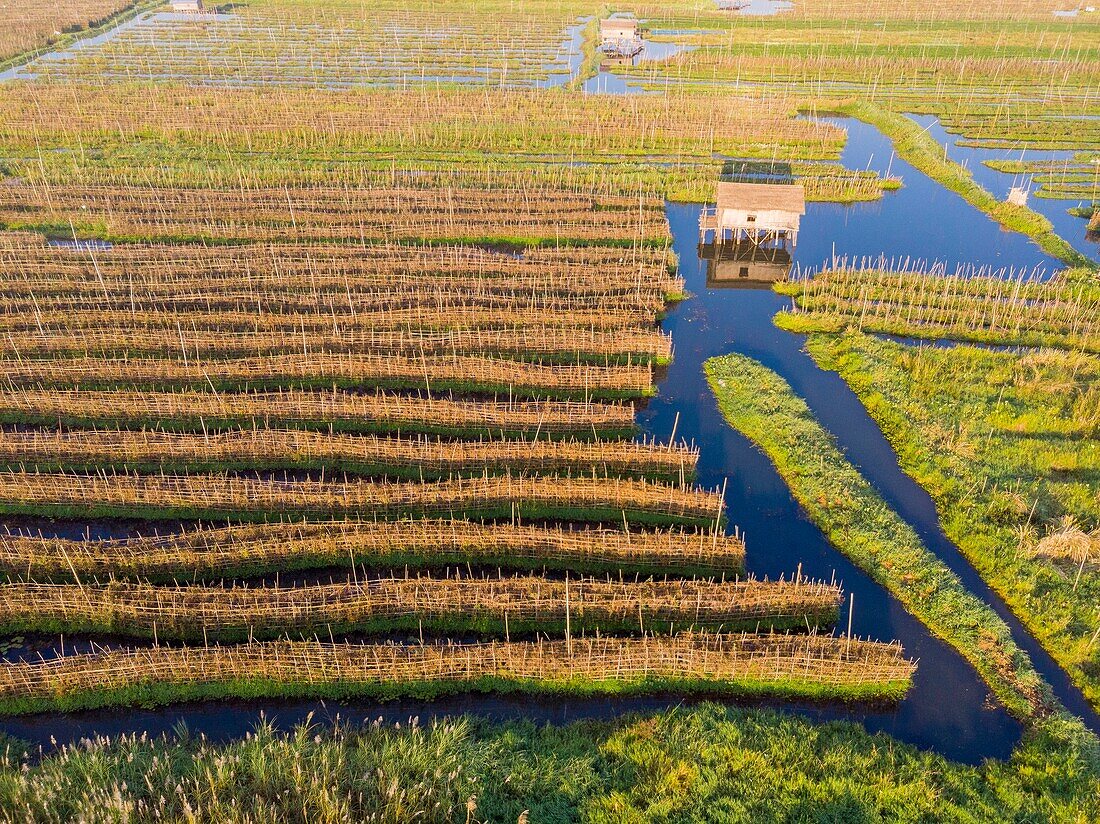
{"x": 273, "y": 449}
{"x": 242, "y": 498}
{"x": 342, "y": 214}
{"x": 993, "y": 307}
{"x": 275, "y": 146}
{"x": 212, "y": 553}
{"x": 371, "y": 376}
{"x": 28, "y": 27}
{"x": 339, "y": 45}
{"x": 455, "y": 604}
{"x": 816, "y": 666}
{"x": 187, "y": 411}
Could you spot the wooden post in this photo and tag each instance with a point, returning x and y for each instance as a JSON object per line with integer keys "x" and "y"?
{"x": 568, "y": 627}
{"x": 851, "y": 611}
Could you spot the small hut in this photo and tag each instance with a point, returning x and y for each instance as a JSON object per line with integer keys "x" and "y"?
{"x": 619, "y": 35}
{"x": 762, "y": 214}
{"x": 1017, "y": 196}
{"x": 187, "y": 6}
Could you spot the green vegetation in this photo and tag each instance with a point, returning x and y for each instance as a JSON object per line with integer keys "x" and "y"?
{"x": 994, "y": 308}
{"x": 1007, "y": 445}
{"x": 671, "y": 144}
{"x": 762, "y": 405}
{"x": 253, "y": 687}
{"x": 707, "y": 763}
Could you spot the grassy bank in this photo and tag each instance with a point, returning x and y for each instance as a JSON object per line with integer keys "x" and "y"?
{"x": 703, "y": 763}
{"x": 839, "y": 499}
{"x": 1006, "y": 445}
{"x": 914, "y": 145}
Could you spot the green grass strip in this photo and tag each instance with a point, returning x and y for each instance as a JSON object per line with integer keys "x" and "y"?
{"x": 407, "y": 470}
{"x": 489, "y": 510}
{"x": 482, "y": 625}
{"x": 760, "y": 404}
{"x": 149, "y": 694}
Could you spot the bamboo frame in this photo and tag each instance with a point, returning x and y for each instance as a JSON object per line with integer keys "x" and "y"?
{"x": 267, "y": 449}
{"x": 329, "y": 411}
{"x": 470, "y": 373}
{"x": 243, "y": 499}
{"x": 525, "y": 344}
{"x": 216, "y": 552}
{"x": 785, "y": 663}
{"x": 386, "y": 604}
{"x": 333, "y": 213}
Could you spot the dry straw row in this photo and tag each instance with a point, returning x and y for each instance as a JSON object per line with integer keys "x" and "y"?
{"x": 275, "y": 448}
{"x": 336, "y": 213}
{"x": 242, "y": 498}
{"x": 750, "y": 659}
{"x": 462, "y": 372}
{"x": 337, "y": 319}
{"x": 337, "y": 302}
{"x": 521, "y": 344}
{"x": 213, "y": 552}
{"x": 526, "y": 603}
{"x": 338, "y": 410}
{"x": 147, "y": 269}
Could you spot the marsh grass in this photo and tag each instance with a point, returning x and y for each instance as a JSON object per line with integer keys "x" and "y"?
{"x": 1006, "y": 444}
{"x": 751, "y": 764}
{"x": 858, "y": 521}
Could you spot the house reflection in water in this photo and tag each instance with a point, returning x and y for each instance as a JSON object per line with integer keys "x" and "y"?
{"x": 742, "y": 264}
{"x": 749, "y": 236}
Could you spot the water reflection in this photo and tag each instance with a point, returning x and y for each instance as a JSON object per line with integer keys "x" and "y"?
{"x": 741, "y": 265}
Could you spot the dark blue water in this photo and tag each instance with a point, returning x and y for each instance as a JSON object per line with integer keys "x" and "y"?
{"x": 922, "y": 221}
{"x": 1070, "y": 228}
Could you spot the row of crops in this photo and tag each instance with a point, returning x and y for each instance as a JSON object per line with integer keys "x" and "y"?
{"x": 287, "y": 465}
